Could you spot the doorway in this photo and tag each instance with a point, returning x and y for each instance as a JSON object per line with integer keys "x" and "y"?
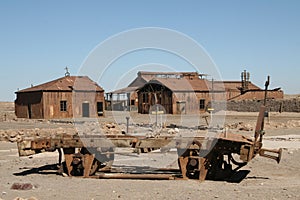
{"x": 85, "y": 110}
{"x": 100, "y": 108}
{"x": 181, "y": 105}
{"x": 29, "y": 111}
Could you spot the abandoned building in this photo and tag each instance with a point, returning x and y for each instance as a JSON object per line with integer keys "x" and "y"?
{"x": 183, "y": 92}
{"x": 66, "y": 97}
{"x": 178, "y": 95}
{"x": 245, "y": 89}
{"x": 177, "y": 92}
{"x": 127, "y": 98}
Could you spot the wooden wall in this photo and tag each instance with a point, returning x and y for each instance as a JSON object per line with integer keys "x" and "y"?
{"x": 74, "y": 103}
{"x": 47, "y": 104}
{"x": 51, "y": 104}
{"x": 147, "y": 99}
{"x": 87, "y": 97}
{"x": 29, "y": 105}
{"x": 177, "y": 102}
{"x": 188, "y": 102}
{"x": 191, "y": 101}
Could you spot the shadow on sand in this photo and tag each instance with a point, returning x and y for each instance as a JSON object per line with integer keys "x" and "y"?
{"x": 45, "y": 170}
{"x": 235, "y": 177}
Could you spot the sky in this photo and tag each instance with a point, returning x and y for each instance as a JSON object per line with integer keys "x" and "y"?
{"x": 38, "y": 39}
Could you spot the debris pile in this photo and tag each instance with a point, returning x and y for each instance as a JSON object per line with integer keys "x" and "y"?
{"x": 240, "y": 126}
{"x": 112, "y": 128}
{"x": 14, "y": 135}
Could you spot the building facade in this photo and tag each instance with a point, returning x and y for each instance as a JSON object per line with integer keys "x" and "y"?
{"x": 178, "y": 95}
{"x": 184, "y": 92}
{"x": 127, "y": 98}
{"x": 66, "y": 97}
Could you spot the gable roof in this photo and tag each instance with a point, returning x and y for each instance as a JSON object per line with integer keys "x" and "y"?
{"x": 139, "y": 81}
{"x": 67, "y": 83}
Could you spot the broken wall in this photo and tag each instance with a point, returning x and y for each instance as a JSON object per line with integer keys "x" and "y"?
{"x": 282, "y": 105}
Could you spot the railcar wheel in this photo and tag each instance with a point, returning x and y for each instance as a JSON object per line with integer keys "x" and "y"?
{"x": 103, "y": 158}
{"x": 190, "y": 162}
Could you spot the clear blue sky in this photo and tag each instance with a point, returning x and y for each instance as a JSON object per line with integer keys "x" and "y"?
{"x": 39, "y": 38}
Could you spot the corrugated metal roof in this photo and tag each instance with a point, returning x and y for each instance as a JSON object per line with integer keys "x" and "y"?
{"x": 173, "y": 84}
{"x": 67, "y": 83}
{"x": 146, "y": 76}
{"x": 182, "y": 84}
{"x": 125, "y": 90}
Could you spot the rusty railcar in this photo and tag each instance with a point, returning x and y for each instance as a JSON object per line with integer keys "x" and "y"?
{"x": 199, "y": 157}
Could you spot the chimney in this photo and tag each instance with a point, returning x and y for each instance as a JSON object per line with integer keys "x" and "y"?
{"x": 245, "y": 77}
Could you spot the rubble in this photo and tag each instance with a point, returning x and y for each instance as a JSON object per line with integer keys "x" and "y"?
{"x": 240, "y": 126}
{"x": 22, "y": 186}
{"x": 268, "y": 125}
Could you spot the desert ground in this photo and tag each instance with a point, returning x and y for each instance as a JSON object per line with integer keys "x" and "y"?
{"x": 266, "y": 179}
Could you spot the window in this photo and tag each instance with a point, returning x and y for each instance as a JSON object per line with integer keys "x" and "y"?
{"x": 202, "y": 104}
{"x": 132, "y": 102}
{"x": 63, "y": 106}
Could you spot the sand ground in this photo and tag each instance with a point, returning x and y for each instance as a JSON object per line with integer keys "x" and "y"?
{"x": 266, "y": 179}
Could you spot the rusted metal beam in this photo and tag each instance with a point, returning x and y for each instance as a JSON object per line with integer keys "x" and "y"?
{"x": 68, "y": 153}
{"x": 183, "y": 162}
{"x": 260, "y": 123}
{"x": 136, "y": 176}
{"x": 276, "y": 154}
{"x": 203, "y": 169}
{"x": 87, "y": 164}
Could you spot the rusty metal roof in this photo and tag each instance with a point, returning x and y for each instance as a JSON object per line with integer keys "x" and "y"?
{"x": 186, "y": 85}
{"x": 124, "y": 90}
{"x": 148, "y": 73}
{"x": 67, "y": 83}
{"x": 235, "y": 85}
{"x": 185, "y": 81}
{"x": 139, "y": 81}
{"x": 146, "y": 76}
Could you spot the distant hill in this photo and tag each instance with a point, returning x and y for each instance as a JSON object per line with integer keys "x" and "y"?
{"x": 7, "y": 106}
{"x": 8, "y": 109}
